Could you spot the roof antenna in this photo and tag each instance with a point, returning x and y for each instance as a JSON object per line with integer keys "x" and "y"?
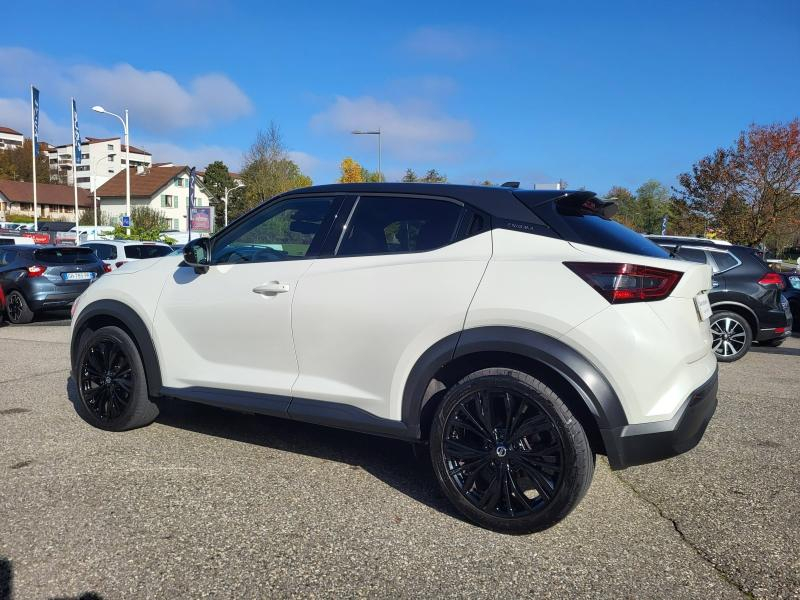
{"x": 510, "y": 184}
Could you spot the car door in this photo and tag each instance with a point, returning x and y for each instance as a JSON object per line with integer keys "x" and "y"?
{"x": 403, "y": 272}
{"x": 230, "y": 327}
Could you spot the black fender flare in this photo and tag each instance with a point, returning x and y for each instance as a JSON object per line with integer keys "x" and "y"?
{"x": 584, "y": 377}
{"x": 121, "y": 312}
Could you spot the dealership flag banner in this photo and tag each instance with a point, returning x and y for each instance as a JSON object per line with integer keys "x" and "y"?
{"x": 664, "y": 225}
{"x": 76, "y": 159}
{"x": 35, "y": 150}
{"x": 192, "y": 176}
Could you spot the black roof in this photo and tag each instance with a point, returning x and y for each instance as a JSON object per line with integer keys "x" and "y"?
{"x": 504, "y": 202}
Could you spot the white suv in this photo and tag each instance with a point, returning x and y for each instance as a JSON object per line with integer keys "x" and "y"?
{"x": 116, "y": 253}
{"x": 517, "y": 333}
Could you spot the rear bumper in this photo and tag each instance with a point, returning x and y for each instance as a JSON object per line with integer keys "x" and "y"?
{"x": 778, "y": 319}
{"x": 46, "y": 296}
{"x": 642, "y": 443}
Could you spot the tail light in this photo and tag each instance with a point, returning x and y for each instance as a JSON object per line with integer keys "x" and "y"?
{"x": 106, "y": 268}
{"x": 36, "y": 270}
{"x": 772, "y": 278}
{"x": 623, "y": 282}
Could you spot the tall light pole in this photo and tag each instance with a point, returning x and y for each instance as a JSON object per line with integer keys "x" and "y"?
{"x": 225, "y": 199}
{"x": 378, "y": 133}
{"x": 124, "y": 122}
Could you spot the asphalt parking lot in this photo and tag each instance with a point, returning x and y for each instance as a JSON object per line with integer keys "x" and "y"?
{"x": 211, "y": 503}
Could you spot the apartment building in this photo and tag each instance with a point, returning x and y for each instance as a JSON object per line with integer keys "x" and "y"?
{"x": 101, "y": 159}
{"x": 10, "y": 138}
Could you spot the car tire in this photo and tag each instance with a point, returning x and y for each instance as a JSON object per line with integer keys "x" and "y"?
{"x": 508, "y": 452}
{"x": 17, "y": 309}
{"x": 732, "y": 335}
{"x": 112, "y": 387}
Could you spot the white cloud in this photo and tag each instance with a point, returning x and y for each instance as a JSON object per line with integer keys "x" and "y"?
{"x": 195, "y": 156}
{"x": 412, "y": 129}
{"x": 307, "y": 163}
{"x": 454, "y": 43}
{"x": 16, "y": 113}
{"x": 156, "y": 100}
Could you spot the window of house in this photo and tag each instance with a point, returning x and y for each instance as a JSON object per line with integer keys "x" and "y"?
{"x": 169, "y": 201}
{"x": 84, "y": 156}
{"x": 122, "y": 160}
{"x": 110, "y": 146}
{"x": 383, "y": 225}
{"x": 176, "y": 224}
{"x": 84, "y": 179}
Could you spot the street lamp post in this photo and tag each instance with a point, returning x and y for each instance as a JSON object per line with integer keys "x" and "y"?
{"x": 124, "y": 122}
{"x": 94, "y": 164}
{"x": 378, "y": 133}
{"x": 225, "y": 199}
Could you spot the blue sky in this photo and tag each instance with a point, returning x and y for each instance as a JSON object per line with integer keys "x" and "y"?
{"x": 596, "y": 93}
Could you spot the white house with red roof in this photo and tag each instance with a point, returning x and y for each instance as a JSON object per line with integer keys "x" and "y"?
{"x": 10, "y": 138}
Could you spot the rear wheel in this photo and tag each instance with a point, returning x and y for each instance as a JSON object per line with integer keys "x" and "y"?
{"x": 508, "y": 453}
{"x": 17, "y": 309}
{"x": 731, "y": 334}
{"x": 112, "y": 389}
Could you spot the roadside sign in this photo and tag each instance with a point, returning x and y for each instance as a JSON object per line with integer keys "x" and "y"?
{"x": 202, "y": 218}
{"x": 38, "y": 238}
{"x": 125, "y": 220}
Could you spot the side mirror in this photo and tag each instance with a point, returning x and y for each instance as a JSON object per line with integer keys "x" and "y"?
{"x": 197, "y": 254}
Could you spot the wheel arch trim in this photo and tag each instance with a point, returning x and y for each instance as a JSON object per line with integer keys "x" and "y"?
{"x": 750, "y": 311}
{"x": 126, "y": 315}
{"x": 586, "y": 379}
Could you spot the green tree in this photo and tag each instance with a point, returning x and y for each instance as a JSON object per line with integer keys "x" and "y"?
{"x": 16, "y": 164}
{"x": 268, "y": 170}
{"x": 371, "y": 176}
{"x": 433, "y": 176}
{"x": 410, "y": 176}
{"x": 217, "y": 178}
{"x": 626, "y": 201}
{"x": 148, "y": 225}
{"x": 652, "y": 200}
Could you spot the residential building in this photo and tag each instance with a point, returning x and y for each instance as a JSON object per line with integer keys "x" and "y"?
{"x": 53, "y": 201}
{"x": 10, "y": 138}
{"x": 101, "y": 159}
{"x": 165, "y": 189}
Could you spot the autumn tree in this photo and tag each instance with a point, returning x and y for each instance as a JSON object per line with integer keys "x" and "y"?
{"x": 350, "y": 171}
{"x": 16, "y": 164}
{"x": 268, "y": 170}
{"x": 746, "y": 190}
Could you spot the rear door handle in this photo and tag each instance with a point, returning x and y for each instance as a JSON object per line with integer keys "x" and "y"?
{"x": 271, "y": 288}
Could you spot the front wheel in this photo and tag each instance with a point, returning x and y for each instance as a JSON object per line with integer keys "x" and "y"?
{"x": 731, "y": 336}
{"x": 508, "y": 452}
{"x": 112, "y": 389}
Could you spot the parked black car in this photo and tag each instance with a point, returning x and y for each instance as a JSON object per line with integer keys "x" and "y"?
{"x": 746, "y": 296}
{"x": 40, "y": 278}
{"x": 792, "y": 294}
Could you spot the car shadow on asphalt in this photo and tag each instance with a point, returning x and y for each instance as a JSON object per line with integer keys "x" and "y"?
{"x": 778, "y": 350}
{"x": 393, "y": 462}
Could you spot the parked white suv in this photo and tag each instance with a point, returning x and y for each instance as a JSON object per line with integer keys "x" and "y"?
{"x": 518, "y": 333}
{"x": 116, "y": 253}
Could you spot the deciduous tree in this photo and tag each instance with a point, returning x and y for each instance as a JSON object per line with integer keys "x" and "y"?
{"x": 747, "y": 189}
{"x": 350, "y": 171}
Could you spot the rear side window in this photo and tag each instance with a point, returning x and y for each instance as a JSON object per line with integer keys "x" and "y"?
{"x": 66, "y": 256}
{"x": 724, "y": 261}
{"x": 692, "y": 254}
{"x": 104, "y": 251}
{"x": 146, "y": 251}
{"x": 387, "y": 225}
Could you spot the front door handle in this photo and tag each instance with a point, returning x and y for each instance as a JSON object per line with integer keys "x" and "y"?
{"x": 271, "y": 288}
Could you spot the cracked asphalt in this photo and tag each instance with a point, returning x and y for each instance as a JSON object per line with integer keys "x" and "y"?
{"x": 210, "y": 503}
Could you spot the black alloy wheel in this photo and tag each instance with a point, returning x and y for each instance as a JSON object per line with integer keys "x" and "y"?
{"x": 17, "y": 309}
{"x": 508, "y": 452}
{"x": 111, "y": 381}
{"x": 503, "y": 452}
{"x": 731, "y": 336}
{"x": 105, "y": 379}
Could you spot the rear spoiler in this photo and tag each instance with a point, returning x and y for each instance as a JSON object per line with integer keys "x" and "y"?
{"x": 582, "y": 203}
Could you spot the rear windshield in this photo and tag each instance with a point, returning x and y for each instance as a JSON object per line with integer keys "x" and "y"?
{"x": 587, "y": 226}
{"x": 146, "y": 251}
{"x": 65, "y": 256}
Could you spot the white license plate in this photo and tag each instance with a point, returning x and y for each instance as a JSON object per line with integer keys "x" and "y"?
{"x": 77, "y": 276}
{"x": 703, "y": 306}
